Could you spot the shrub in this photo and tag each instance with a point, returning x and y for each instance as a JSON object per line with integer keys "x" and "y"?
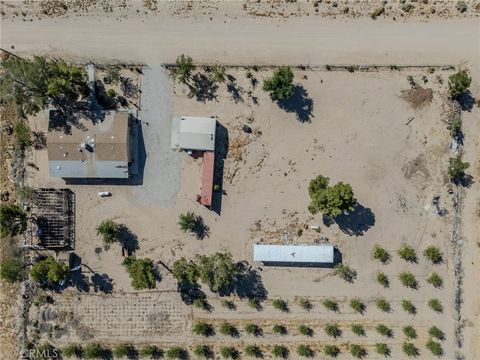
{"x": 253, "y": 329}
{"x": 434, "y": 347}
{"x": 49, "y": 271}
{"x": 358, "y": 329}
{"x": 331, "y": 350}
{"x": 410, "y": 349}
{"x": 123, "y": 350}
{"x": 201, "y": 303}
{"x": 112, "y": 93}
{"x": 408, "y": 279}
{"x": 436, "y": 333}
{"x": 461, "y": 6}
{"x": 305, "y": 351}
{"x": 380, "y": 254}
{"x": 382, "y": 349}
{"x": 109, "y": 231}
{"x": 280, "y": 305}
{"x": 252, "y": 350}
{"x": 176, "y": 353}
{"x": 203, "y": 351}
{"x": 280, "y": 85}
{"x": 141, "y": 272}
{"x": 433, "y": 254}
{"x": 382, "y": 278}
{"x": 13, "y": 220}
{"x": 383, "y": 304}
{"x": 409, "y": 332}
{"x": 228, "y": 304}
{"x": 344, "y": 272}
{"x": 305, "y": 304}
{"x": 435, "y": 305}
{"x": 11, "y": 269}
{"x": 254, "y": 303}
{"x": 187, "y": 221}
{"x": 150, "y": 351}
{"x": 456, "y": 168}
{"x": 93, "y": 351}
{"x": 333, "y": 330}
{"x": 407, "y": 253}
{"x": 305, "y": 330}
{"x": 203, "y": 328}
{"x": 435, "y": 280}
{"x": 183, "y": 68}
{"x": 408, "y": 306}
{"x": 330, "y": 305}
{"x": 377, "y": 12}
{"x": 228, "y": 352}
{"x": 280, "y": 351}
{"x": 279, "y": 329}
{"x": 459, "y": 83}
{"x": 384, "y": 330}
{"x": 227, "y": 329}
{"x": 358, "y": 351}
{"x": 72, "y": 350}
{"x": 357, "y": 305}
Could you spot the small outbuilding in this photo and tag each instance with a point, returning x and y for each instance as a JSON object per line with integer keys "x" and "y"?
{"x": 193, "y": 133}
{"x": 294, "y": 255}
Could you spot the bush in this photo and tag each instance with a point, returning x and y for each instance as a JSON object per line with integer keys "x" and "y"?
{"x": 305, "y": 330}
{"x": 305, "y": 304}
{"x": 203, "y": 328}
{"x": 11, "y": 269}
{"x": 93, "y": 351}
{"x": 109, "y": 231}
{"x": 121, "y": 351}
{"x": 357, "y": 305}
{"x": 436, "y": 333}
{"x": 408, "y": 306}
{"x": 358, "y": 329}
{"x": 408, "y": 279}
{"x": 254, "y": 303}
{"x": 228, "y": 352}
{"x": 382, "y": 349}
{"x": 201, "y": 303}
{"x": 358, "y": 351}
{"x": 330, "y": 305}
{"x": 280, "y": 304}
{"x": 49, "y": 271}
{"x": 150, "y": 351}
{"x": 228, "y": 304}
{"x": 305, "y": 351}
{"x": 381, "y": 254}
{"x": 434, "y": 347}
{"x": 280, "y": 351}
{"x": 410, "y": 332}
{"x": 13, "y": 220}
{"x": 279, "y": 329}
{"x": 71, "y": 350}
{"x": 407, "y": 253}
{"x": 377, "y": 12}
{"x": 183, "y": 68}
{"x": 333, "y": 330}
{"x": 141, "y": 272}
{"x": 252, "y": 350}
{"x": 382, "y": 278}
{"x": 435, "y": 305}
{"x": 456, "y": 168}
{"x": 461, "y": 6}
{"x": 23, "y": 135}
{"x": 187, "y": 221}
{"x": 253, "y": 329}
{"x": 384, "y": 330}
{"x": 459, "y": 83}
{"x": 203, "y": 351}
{"x": 383, "y": 304}
{"x": 410, "y": 349}
{"x": 176, "y": 353}
{"x": 112, "y": 93}
{"x": 433, "y": 254}
{"x": 344, "y": 272}
{"x": 331, "y": 350}
{"x": 228, "y": 329}
{"x": 435, "y": 280}
{"x": 280, "y": 85}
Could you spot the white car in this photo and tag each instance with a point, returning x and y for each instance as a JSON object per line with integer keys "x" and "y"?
{"x": 104, "y": 194}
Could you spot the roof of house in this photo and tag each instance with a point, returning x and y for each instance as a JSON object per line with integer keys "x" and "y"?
{"x": 321, "y": 254}
{"x": 91, "y": 150}
{"x": 193, "y": 133}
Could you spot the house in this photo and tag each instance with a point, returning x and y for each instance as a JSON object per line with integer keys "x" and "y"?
{"x": 294, "y": 255}
{"x": 89, "y": 150}
{"x": 197, "y": 134}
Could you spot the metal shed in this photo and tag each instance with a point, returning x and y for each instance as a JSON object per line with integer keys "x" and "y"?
{"x": 193, "y": 133}
{"x": 294, "y": 255}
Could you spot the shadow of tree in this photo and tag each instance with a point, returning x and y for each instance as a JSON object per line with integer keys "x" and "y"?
{"x": 127, "y": 239}
{"x": 129, "y": 89}
{"x": 248, "y": 283}
{"x": 203, "y": 88}
{"x": 356, "y": 222}
{"x": 102, "y": 282}
{"x": 466, "y": 101}
{"x": 299, "y": 103}
{"x": 236, "y": 92}
{"x": 190, "y": 292}
{"x": 201, "y": 230}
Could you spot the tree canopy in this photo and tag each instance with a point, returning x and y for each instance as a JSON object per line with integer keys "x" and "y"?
{"x": 49, "y": 270}
{"x": 456, "y": 168}
{"x": 36, "y": 83}
{"x": 13, "y": 220}
{"x": 187, "y": 221}
{"x": 141, "y": 272}
{"x": 108, "y": 230}
{"x": 459, "y": 83}
{"x": 330, "y": 200}
{"x": 280, "y": 85}
{"x": 185, "y": 271}
{"x": 11, "y": 269}
{"x": 183, "y": 70}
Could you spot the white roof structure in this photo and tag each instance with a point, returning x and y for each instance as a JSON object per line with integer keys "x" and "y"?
{"x": 293, "y": 254}
{"x": 193, "y": 133}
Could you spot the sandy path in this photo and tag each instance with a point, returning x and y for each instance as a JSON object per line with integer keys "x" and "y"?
{"x": 301, "y": 40}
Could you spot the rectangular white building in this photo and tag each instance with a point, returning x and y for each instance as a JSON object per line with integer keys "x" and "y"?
{"x": 294, "y": 255}
{"x": 193, "y": 133}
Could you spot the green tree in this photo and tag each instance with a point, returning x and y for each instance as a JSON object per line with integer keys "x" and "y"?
{"x": 382, "y": 278}
{"x": 185, "y": 271}
{"x": 203, "y": 351}
{"x": 459, "y": 83}
{"x": 227, "y": 329}
{"x": 435, "y": 305}
{"x": 279, "y": 329}
{"x": 436, "y": 333}
{"x": 408, "y": 307}
{"x": 201, "y": 303}
{"x": 333, "y": 330}
{"x": 280, "y": 351}
{"x": 383, "y": 304}
{"x": 358, "y": 329}
{"x": 228, "y": 352}
{"x": 280, "y": 85}
{"x": 330, "y": 200}
{"x": 253, "y": 329}
{"x": 357, "y": 305}
{"x": 49, "y": 270}
{"x": 455, "y": 127}
{"x": 203, "y": 328}
{"x": 344, "y": 272}
{"x": 456, "y": 168}
{"x": 407, "y": 253}
{"x": 380, "y": 254}
{"x": 93, "y": 351}
{"x": 183, "y": 69}
{"x": 230, "y": 305}
{"x": 109, "y": 231}
{"x": 219, "y": 73}
{"x": 408, "y": 279}
{"x": 435, "y": 280}
{"x": 305, "y": 304}
{"x": 34, "y": 84}
{"x": 305, "y": 351}
{"x": 253, "y": 350}
{"x": 254, "y": 303}
{"x": 358, "y": 351}
{"x": 384, "y": 330}
{"x": 410, "y": 349}
{"x": 72, "y": 350}
{"x": 280, "y": 304}
{"x": 434, "y": 347}
{"x": 112, "y": 73}
{"x": 123, "y": 350}
{"x": 217, "y": 271}
{"x": 331, "y": 350}
{"x": 11, "y": 269}
{"x": 187, "y": 221}
{"x": 13, "y": 220}
{"x": 409, "y": 332}
{"x": 141, "y": 272}
{"x": 23, "y": 135}
{"x": 433, "y": 254}
{"x": 305, "y": 330}
{"x": 176, "y": 353}
{"x": 330, "y": 305}
{"x": 150, "y": 351}
{"x": 382, "y": 349}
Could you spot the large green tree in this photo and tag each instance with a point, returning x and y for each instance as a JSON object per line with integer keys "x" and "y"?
{"x": 217, "y": 271}
{"x": 330, "y": 200}
{"x": 185, "y": 271}
{"x": 459, "y": 83}
{"x": 13, "y": 220}
{"x": 141, "y": 272}
{"x": 49, "y": 270}
{"x": 34, "y": 84}
{"x": 280, "y": 85}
